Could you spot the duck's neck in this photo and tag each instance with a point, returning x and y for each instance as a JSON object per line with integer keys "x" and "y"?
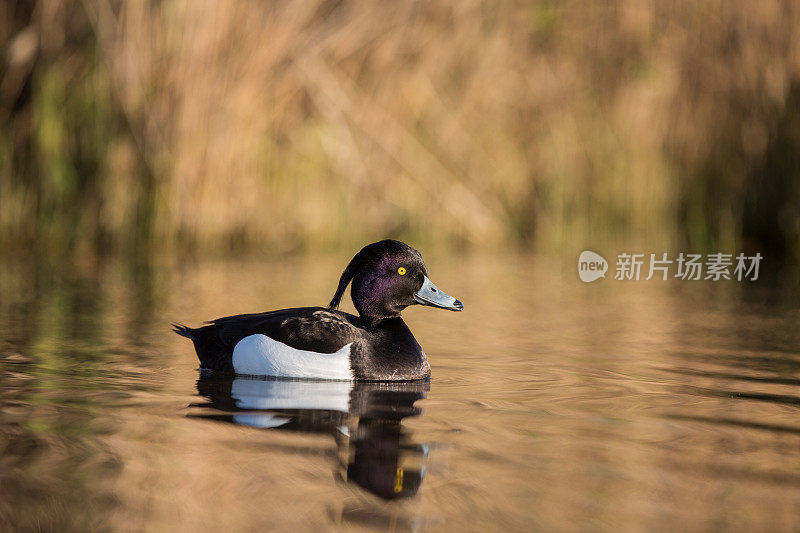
{"x": 374, "y": 324}
{"x": 391, "y": 352}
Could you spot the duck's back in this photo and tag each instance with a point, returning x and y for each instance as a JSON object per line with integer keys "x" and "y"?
{"x": 294, "y": 340}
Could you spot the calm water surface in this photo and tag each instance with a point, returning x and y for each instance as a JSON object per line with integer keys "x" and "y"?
{"x": 553, "y": 405}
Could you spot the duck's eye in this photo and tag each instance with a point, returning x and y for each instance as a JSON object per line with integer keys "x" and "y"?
{"x": 401, "y": 271}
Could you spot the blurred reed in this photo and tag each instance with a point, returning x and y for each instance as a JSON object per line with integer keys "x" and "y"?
{"x": 323, "y": 124}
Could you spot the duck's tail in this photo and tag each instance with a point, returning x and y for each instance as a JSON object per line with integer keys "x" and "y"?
{"x": 184, "y": 331}
{"x": 212, "y": 352}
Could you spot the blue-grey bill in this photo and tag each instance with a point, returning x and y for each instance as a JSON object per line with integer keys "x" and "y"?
{"x": 429, "y": 294}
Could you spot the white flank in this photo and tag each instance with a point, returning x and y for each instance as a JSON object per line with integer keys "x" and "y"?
{"x": 252, "y": 393}
{"x": 259, "y": 355}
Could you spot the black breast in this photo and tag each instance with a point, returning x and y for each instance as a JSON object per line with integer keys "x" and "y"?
{"x": 389, "y": 353}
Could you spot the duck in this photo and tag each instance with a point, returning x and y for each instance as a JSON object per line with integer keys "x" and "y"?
{"x": 325, "y": 343}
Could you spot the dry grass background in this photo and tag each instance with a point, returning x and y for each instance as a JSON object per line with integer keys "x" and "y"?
{"x": 322, "y": 124}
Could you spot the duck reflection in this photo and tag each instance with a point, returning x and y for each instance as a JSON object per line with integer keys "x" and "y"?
{"x": 365, "y": 419}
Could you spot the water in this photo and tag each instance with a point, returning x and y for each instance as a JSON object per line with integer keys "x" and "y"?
{"x": 554, "y": 405}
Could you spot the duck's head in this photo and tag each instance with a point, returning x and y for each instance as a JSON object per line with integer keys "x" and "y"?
{"x": 387, "y": 277}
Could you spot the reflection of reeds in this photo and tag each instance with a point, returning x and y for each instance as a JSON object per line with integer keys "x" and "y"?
{"x": 313, "y": 124}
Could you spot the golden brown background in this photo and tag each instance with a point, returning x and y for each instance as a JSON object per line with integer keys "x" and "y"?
{"x": 283, "y": 126}
{"x": 148, "y": 147}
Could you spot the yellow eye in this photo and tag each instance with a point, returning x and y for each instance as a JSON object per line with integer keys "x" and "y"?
{"x": 401, "y": 271}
